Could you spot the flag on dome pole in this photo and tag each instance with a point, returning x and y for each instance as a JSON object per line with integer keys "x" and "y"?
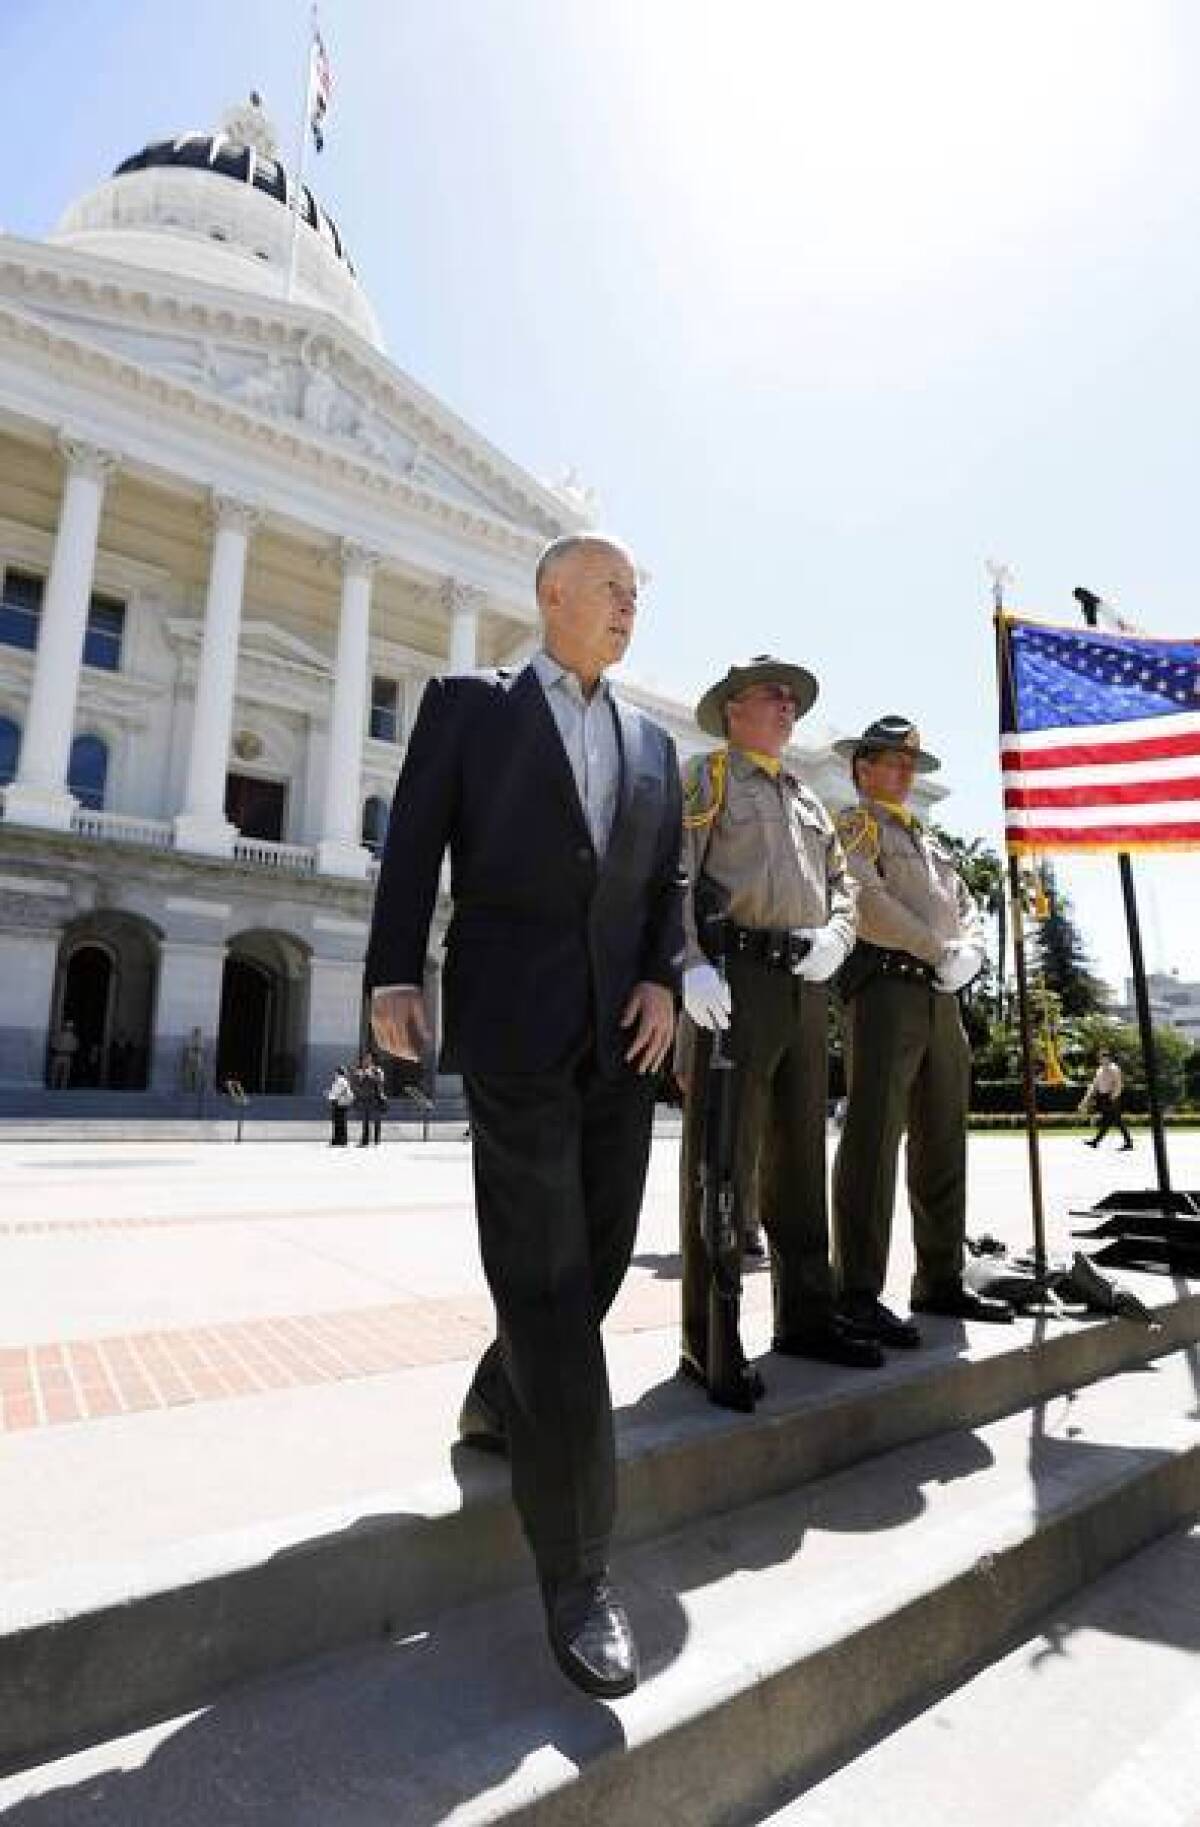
{"x": 318, "y": 90}
{"x": 320, "y": 85}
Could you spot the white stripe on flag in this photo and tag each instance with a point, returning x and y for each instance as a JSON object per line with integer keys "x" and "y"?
{"x": 1102, "y": 774}
{"x": 1138, "y": 729}
{"x": 1080, "y": 818}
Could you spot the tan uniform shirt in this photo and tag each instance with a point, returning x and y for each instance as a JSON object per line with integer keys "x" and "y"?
{"x": 911, "y": 897}
{"x": 772, "y": 847}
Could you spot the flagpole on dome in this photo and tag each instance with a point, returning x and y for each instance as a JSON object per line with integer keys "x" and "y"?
{"x": 1091, "y": 604}
{"x": 312, "y": 113}
{"x": 1000, "y": 576}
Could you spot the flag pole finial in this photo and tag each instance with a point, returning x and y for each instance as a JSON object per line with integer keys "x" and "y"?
{"x": 1001, "y": 576}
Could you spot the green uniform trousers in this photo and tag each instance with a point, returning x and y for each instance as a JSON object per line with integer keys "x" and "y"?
{"x": 778, "y": 1041}
{"x": 908, "y": 1066}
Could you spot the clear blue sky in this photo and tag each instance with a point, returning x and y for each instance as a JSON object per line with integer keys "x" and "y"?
{"x": 829, "y": 303}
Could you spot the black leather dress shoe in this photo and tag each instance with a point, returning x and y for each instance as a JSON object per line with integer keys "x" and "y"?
{"x": 693, "y": 1371}
{"x": 872, "y": 1320}
{"x": 591, "y": 1638}
{"x": 481, "y": 1425}
{"x": 962, "y": 1303}
{"x": 831, "y": 1343}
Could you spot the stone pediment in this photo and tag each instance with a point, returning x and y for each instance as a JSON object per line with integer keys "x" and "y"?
{"x": 275, "y": 669}
{"x": 318, "y": 382}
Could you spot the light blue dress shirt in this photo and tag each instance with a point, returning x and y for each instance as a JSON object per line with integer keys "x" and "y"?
{"x": 588, "y": 728}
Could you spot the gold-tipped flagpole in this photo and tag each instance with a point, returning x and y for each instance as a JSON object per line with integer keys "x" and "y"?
{"x": 1000, "y": 576}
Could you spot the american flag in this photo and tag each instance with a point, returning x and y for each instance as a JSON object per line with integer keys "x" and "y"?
{"x": 320, "y": 86}
{"x": 1099, "y": 740}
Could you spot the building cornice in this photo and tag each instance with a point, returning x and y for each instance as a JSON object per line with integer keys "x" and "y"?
{"x": 32, "y": 269}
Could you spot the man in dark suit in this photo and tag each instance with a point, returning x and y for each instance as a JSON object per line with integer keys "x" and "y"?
{"x": 561, "y": 810}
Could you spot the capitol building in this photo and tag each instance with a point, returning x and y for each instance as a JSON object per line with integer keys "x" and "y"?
{"x": 235, "y": 541}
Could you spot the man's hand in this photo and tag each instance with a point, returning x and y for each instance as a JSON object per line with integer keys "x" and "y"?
{"x": 960, "y": 964}
{"x": 399, "y": 1023}
{"x": 650, "y": 1012}
{"x": 826, "y": 954}
{"x": 706, "y": 996}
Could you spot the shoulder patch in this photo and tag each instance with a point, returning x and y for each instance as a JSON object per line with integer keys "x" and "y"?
{"x": 704, "y": 788}
{"x": 858, "y": 829}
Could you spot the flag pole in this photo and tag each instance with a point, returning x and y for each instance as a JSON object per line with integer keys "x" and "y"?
{"x": 1089, "y": 603}
{"x": 301, "y": 162}
{"x": 1005, "y": 686}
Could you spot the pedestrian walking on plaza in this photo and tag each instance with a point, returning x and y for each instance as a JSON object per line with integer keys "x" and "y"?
{"x": 920, "y": 941}
{"x": 1104, "y": 1095}
{"x": 560, "y": 808}
{"x": 64, "y": 1046}
{"x": 762, "y": 848}
{"x": 370, "y": 1095}
{"x": 340, "y": 1095}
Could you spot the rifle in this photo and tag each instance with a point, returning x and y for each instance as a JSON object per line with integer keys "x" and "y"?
{"x": 730, "y": 1381}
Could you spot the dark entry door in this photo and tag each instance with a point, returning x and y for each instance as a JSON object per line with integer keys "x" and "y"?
{"x": 86, "y": 997}
{"x": 256, "y": 807}
{"x": 244, "y": 1037}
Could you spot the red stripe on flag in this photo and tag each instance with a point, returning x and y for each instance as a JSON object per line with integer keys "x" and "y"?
{"x": 1115, "y": 837}
{"x": 1134, "y": 793}
{"x": 1099, "y": 754}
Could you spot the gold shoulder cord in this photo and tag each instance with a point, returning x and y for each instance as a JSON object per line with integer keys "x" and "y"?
{"x": 704, "y": 789}
{"x": 858, "y": 830}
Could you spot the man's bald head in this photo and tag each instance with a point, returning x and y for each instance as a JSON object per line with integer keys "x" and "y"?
{"x": 562, "y": 550}
{"x": 587, "y": 592}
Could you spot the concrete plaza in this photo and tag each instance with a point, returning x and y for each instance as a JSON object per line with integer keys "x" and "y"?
{"x": 245, "y": 1334}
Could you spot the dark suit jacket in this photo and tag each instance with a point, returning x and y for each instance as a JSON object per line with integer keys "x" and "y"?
{"x": 546, "y": 941}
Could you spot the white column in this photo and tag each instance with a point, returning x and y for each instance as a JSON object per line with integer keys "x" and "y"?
{"x": 202, "y": 826}
{"x": 39, "y": 795}
{"x": 334, "y": 1007}
{"x": 189, "y": 997}
{"x": 339, "y": 851}
{"x": 462, "y": 604}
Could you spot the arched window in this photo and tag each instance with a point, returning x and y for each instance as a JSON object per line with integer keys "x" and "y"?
{"x": 89, "y": 771}
{"x": 375, "y": 824}
{"x": 10, "y": 748}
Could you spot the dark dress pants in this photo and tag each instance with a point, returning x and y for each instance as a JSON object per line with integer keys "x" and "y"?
{"x": 1108, "y": 1109}
{"x": 560, "y": 1164}
{"x": 779, "y": 1043}
{"x": 908, "y": 1067}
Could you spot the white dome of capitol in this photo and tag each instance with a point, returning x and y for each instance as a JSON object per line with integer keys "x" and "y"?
{"x": 216, "y": 207}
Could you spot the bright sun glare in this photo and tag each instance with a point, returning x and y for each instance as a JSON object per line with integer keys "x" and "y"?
{"x": 876, "y": 140}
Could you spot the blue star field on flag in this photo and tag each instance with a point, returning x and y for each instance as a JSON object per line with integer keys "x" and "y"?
{"x": 1064, "y": 678}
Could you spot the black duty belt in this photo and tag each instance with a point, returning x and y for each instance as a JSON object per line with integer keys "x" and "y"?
{"x": 781, "y": 949}
{"x": 885, "y": 963}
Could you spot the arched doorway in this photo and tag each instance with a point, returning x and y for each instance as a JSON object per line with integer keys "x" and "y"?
{"x": 244, "y": 1036}
{"x": 86, "y": 1008}
{"x": 104, "y": 998}
{"x": 263, "y": 1012}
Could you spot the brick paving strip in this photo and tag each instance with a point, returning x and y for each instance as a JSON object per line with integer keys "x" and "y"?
{"x": 55, "y": 1227}
{"x": 91, "y": 1379}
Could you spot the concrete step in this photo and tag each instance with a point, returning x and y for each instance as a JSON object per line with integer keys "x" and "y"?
{"x": 93, "y": 1645}
{"x": 1092, "y": 1721}
{"x": 775, "y": 1638}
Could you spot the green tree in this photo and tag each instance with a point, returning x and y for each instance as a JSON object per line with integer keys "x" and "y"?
{"x": 1062, "y": 957}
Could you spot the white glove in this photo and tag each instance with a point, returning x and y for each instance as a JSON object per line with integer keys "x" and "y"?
{"x": 827, "y": 955}
{"x": 706, "y": 996}
{"x": 960, "y": 964}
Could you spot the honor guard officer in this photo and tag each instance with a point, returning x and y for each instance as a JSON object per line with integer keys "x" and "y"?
{"x": 920, "y": 940}
{"x": 766, "y": 851}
